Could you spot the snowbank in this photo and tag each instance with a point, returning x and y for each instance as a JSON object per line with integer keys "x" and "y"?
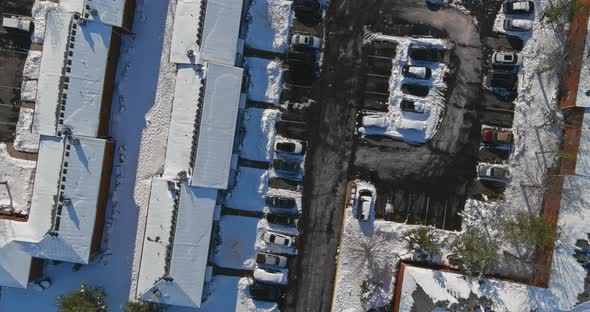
{"x": 266, "y": 80}
{"x": 270, "y": 277}
{"x": 25, "y": 140}
{"x": 39, "y": 14}
{"x": 28, "y": 91}
{"x": 259, "y": 128}
{"x": 18, "y": 175}
{"x": 230, "y": 293}
{"x": 32, "y": 64}
{"x": 269, "y": 22}
{"x": 249, "y": 191}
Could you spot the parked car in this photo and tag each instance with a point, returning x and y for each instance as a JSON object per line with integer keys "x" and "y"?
{"x": 493, "y": 172}
{"x": 278, "y": 239}
{"x": 308, "y": 12}
{"x": 281, "y": 219}
{"x": 519, "y": 7}
{"x": 364, "y": 205}
{"x": 409, "y": 105}
{"x": 498, "y": 137}
{"x": 285, "y": 166}
{"x": 417, "y": 72}
{"x": 305, "y": 41}
{"x": 506, "y": 58}
{"x": 517, "y": 24}
{"x": 489, "y": 153}
{"x": 265, "y": 292}
{"x": 374, "y": 121}
{"x": 270, "y": 259}
{"x": 422, "y": 53}
{"x": 504, "y": 80}
{"x": 270, "y": 276}
{"x": 290, "y": 147}
{"x": 415, "y": 89}
{"x": 280, "y": 202}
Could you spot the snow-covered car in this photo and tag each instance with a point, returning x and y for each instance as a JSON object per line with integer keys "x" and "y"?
{"x": 506, "y": 58}
{"x": 265, "y": 292}
{"x": 498, "y": 137}
{"x": 519, "y": 7}
{"x": 280, "y": 202}
{"x": 364, "y": 205}
{"x": 285, "y": 166}
{"x": 305, "y": 41}
{"x": 374, "y": 121}
{"x": 417, "y": 72}
{"x": 409, "y": 105}
{"x": 493, "y": 172}
{"x": 290, "y": 147}
{"x": 415, "y": 89}
{"x": 517, "y": 24}
{"x": 270, "y": 276}
{"x": 264, "y": 258}
{"x": 278, "y": 239}
{"x": 281, "y": 219}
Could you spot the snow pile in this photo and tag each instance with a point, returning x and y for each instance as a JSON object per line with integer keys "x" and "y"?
{"x": 32, "y": 64}
{"x": 266, "y": 79}
{"x": 278, "y": 277}
{"x": 411, "y": 127}
{"x": 269, "y": 22}
{"x": 28, "y": 91}
{"x": 39, "y": 14}
{"x": 249, "y": 190}
{"x": 18, "y": 175}
{"x": 25, "y": 140}
{"x": 259, "y": 127}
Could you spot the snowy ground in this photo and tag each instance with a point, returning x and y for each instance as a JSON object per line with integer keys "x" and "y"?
{"x": 269, "y": 22}
{"x": 409, "y": 126}
{"x": 18, "y": 175}
{"x": 237, "y": 237}
{"x": 266, "y": 79}
{"x": 136, "y": 79}
{"x": 39, "y": 14}
{"x": 259, "y": 133}
{"x": 25, "y": 140}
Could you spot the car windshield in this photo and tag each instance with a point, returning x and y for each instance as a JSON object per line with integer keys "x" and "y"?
{"x": 286, "y": 146}
{"x": 508, "y": 57}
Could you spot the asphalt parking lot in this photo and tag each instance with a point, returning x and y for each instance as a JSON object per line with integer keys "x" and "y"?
{"x": 425, "y": 184}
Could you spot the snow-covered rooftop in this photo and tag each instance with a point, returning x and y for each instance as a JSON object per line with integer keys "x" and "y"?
{"x": 72, "y": 75}
{"x": 221, "y": 31}
{"x": 583, "y": 159}
{"x": 109, "y": 12}
{"x": 56, "y": 229}
{"x": 182, "y": 122}
{"x": 188, "y": 25}
{"x": 218, "y": 126}
{"x": 183, "y": 282}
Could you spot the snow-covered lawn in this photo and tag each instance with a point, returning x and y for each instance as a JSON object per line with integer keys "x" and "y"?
{"x": 259, "y": 133}
{"x": 111, "y": 270}
{"x": 410, "y": 127}
{"x": 249, "y": 191}
{"x": 269, "y": 22}
{"x": 266, "y": 79}
{"x": 237, "y": 238}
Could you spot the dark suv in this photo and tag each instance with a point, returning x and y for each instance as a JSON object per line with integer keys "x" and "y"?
{"x": 281, "y": 219}
{"x": 280, "y": 202}
{"x": 265, "y": 292}
{"x": 287, "y": 167}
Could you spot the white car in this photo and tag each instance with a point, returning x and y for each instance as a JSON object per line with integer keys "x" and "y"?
{"x": 278, "y": 239}
{"x": 417, "y": 72}
{"x": 493, "y": 172}
{"x": 304, "y": 41}
{"x": 365, "y": 205}
{"x": 506, "y": 58}
{"x": 289, "y": 147}
{"x": 517, "y": 24}
{"x": 270, "y": 276}
{"x": 374, "y": 121}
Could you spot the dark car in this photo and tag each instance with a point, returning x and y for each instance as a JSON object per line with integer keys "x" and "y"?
{"x": 421, "y": 53}
{"x": 308, "y": 12}
{"x": 504, "y": 80}
{"x": 417, "y": 72}
{"x": 519, "y": 7}
{"x": 281, "y": 219}
{"x": 265, "y": 292}
{"x": 289, "y": 167}
{"x": 409, "y": 105}
{"x": 264, "y": 258}
{"x": 414, "y": 89}
{"x": 280, "y": 202}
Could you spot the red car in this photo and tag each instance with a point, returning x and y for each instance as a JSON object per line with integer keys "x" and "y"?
{"x": 498, "y": 137}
